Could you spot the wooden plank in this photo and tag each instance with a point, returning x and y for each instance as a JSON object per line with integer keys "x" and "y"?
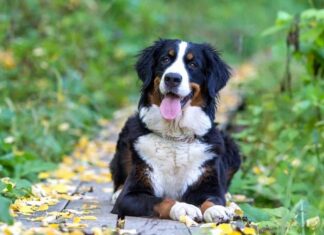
{"x": 99, "y": 198}
{"x": 26, "y": 220}
{"x": 201, "y": 231}
{"x": 151, "y": 226}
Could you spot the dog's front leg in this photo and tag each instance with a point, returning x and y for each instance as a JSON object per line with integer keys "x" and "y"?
{"x": 209, "y": 195}
{"x": 137, "y": 199}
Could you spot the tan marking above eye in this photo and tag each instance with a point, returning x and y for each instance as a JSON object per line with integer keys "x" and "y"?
{"x": 190, "y": 56}
{"x": 171, "y": 52}
{"x": 197, "y": 99}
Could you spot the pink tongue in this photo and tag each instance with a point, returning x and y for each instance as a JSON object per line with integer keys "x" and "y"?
{"x": 170, "y": 107}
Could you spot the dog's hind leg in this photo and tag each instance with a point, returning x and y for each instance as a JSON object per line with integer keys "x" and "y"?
{"x": 231, "y": 158}
{"x": 121, "y": 164}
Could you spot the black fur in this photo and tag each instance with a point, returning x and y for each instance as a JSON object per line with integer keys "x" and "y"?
{"x": 146, "y": 68}
{"x": 218, "y": 73}
{"x": 137, "y": 197}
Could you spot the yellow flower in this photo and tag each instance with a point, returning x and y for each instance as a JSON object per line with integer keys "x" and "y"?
{"x": 63, "y": 126}
{"x": 7, "y": 60}
{"x": 313, "y": 222}
{"x": 264, "y": 180}
{"x": 256, "y": 170}
{"x": 296, "y": 163}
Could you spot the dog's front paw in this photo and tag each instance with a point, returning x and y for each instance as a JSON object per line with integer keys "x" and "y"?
{"x": 180, "y": 208}
{"x": 217, "y": 214}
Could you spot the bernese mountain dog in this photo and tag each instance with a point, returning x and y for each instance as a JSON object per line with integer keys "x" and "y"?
{"x": 171, "y": 160}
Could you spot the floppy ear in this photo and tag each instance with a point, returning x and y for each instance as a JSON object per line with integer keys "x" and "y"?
{"x": 218, "y": 71}
{"x": 145, "y": 63}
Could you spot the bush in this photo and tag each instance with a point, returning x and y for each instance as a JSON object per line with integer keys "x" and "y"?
{"x": 283, "y": 125}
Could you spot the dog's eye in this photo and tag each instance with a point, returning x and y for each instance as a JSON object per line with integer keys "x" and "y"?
{"x": 193, "y": 65}
{"x": 165, "y": 60}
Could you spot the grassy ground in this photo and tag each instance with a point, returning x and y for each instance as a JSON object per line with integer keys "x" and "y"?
{"x": 64, "y": 65}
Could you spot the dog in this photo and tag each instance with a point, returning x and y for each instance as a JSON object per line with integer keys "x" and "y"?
{"x": 171, "y": 160}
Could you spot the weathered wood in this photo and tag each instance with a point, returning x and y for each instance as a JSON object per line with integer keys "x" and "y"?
{"x": 197, "y": 230}
{"x": 26, "y": 220}
{"x": 150, "y": 226}
{"x": 99, "y": 198}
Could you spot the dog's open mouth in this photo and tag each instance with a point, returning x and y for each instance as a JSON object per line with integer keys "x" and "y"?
{"x": 172, "y": 104}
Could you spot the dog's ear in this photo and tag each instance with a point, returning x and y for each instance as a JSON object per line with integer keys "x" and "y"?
{"x": 218, "y": 72}
{"x": 146, "y": 62}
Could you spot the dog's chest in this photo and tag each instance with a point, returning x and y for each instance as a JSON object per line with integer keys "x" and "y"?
{"x": 175, "y": 165}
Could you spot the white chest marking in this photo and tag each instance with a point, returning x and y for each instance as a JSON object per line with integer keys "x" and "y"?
{"x": 176, "y": 165}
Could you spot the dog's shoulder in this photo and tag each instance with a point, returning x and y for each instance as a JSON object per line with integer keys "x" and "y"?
{"x": 133, "y": 128}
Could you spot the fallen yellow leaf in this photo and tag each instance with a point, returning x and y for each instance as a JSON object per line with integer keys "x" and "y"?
{"x": 88, "y": 217}
{"x": 64, "y": 173}
{"x": 76, "y": 226}
{"x": 187, "y": 221}
{"x": 89, "y": 206}
{"x": 25, "y": 209}
{"x": 76, "y": 220}
{"x": 208, "y": 225}
{"x": 37, "y": 219}
{"x": 76, "y": 232}
{"x": 83, "y": 142}
{"x": 55, "y": 226}
{"x": 249, "y": 231}
{"x": 239, "y": 212}
{"x": 225, "y": 228}
{"x": 68, "y": 160}
{"x": 235, "y": 233}
{"x": 43, "y": 208}
{"x": 60, "y": 188}
{"x": 43, "y": 175}
{"x": 80, "y": 168}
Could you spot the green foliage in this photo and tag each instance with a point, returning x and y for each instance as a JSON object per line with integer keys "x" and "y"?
{"x": 11, "y": 189}
{"x": 281, "y": 219}
{"x": 4, "y": 205}
{"x": 306, "y": 35}
{"x": 283, "y": 133}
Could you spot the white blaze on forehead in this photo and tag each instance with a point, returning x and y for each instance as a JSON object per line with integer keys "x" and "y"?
{"x": 178, "y": 66}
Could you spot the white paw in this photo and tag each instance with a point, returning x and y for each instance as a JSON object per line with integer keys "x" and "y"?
{"x": 115, "y": 196}
{"x": 217, "y": 214}
{"x": 181, "y": 208}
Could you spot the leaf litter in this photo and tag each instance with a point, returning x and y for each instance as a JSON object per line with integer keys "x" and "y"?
{"x": 86, "y": 164}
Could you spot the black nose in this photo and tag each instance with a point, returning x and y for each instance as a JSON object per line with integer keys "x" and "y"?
{"x": 172, "y": 79}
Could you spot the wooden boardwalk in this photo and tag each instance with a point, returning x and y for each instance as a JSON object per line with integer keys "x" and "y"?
{"x": 96, "y": 196}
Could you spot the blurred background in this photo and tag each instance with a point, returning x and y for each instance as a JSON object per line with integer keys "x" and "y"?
{"x": 67, "y": 65}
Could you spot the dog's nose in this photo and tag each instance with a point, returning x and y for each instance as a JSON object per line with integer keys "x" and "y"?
{"x": 172, "y": 79}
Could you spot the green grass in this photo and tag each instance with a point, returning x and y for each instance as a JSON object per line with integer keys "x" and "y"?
{"x": 66, "y": 64}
